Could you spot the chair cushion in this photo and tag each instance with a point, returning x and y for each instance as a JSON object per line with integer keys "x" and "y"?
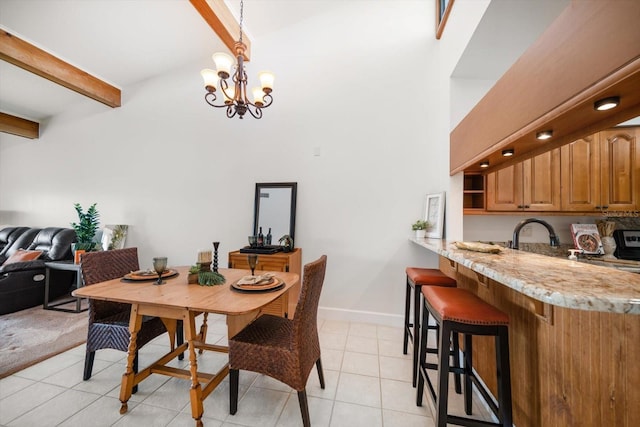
{"x": 429, "y": 276}
{"x": 459, "y": 305}
{"x": 22, "y": 255}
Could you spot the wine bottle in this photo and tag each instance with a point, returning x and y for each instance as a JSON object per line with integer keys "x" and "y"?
{"x": 268, "y": 238}
{"x": 260, "y": 238}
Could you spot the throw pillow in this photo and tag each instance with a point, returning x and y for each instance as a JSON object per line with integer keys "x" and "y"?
{"x": 22, "y": 255}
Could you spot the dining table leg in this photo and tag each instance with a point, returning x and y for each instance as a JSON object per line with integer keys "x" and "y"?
{"x": 203, "y": 329}
{"x": 128, "y": 378}
{"x": 195, "y": 393}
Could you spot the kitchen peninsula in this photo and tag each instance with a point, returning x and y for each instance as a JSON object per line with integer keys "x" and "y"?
{"x": 574, "y": 334}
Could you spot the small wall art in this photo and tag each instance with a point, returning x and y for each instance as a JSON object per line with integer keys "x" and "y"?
{"x": 434, "y": 214}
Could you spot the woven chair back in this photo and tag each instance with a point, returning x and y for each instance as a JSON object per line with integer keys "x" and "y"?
{"x": 305, "y": 318}
{"x": 107, "y": 265}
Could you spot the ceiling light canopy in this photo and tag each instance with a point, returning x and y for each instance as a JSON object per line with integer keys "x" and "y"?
{"x": 606, "y": 103}
{"x": 508, "y": 152}
{"x": 235, "y": 93}
{"x": 544, "y": 134}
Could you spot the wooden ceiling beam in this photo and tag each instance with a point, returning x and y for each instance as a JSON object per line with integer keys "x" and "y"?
{"x": 19, "y": 126}
{"x": 31, "y": 58}
{"x": 221, "y": 20}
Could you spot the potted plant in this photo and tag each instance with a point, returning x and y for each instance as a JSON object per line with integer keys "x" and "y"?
{"x": 86, "y": 227}
{"x": 420, "y": 227}
{"x": 193, "y": 274}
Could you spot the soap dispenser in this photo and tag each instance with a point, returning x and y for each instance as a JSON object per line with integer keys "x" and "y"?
{"x": 572, "y": 254}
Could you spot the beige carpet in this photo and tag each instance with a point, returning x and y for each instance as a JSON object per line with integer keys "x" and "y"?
{"x": 32, "y": 335}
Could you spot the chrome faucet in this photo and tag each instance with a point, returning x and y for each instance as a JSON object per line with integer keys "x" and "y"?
{"x": 553, "y": 238}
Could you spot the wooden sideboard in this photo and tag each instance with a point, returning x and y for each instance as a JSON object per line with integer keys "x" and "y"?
{"x": 281, "y": 261}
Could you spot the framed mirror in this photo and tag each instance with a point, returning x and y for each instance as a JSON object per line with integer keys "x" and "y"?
{"x": 275, "y": 209}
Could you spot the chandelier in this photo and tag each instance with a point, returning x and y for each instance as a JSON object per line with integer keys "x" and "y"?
{"x": 235, "y": 92}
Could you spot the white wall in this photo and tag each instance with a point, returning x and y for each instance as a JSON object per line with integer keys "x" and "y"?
{"x": 367, "y": 84}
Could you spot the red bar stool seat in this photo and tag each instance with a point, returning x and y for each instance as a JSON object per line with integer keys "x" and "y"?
{"x": 459, "y": 311}
{"x": 416, "y": 278}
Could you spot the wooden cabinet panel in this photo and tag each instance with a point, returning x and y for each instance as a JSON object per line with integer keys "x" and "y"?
{"x": 541, "y": 177}
{"x": 620, "y": 164}
{"x": 504, "y": 189}
{"x": 281, "y": 261}
{"x": 581, "y": 175}
{"x": 602, "y": 172}
{"x": 532, "y": 185}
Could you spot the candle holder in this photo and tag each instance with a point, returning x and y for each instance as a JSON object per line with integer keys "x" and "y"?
{"x": 215, "y": 256}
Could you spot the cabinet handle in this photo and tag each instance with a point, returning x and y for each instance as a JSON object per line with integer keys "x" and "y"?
{"x": 527, "y": 206}
{"x": 520, "y": 207}
{"x": 605, "y": 207}
{"x": 598, "y": 207}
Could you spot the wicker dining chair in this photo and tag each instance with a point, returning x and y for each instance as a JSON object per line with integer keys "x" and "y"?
{"x": 284, "y": 349}
{"x": 109, "y": 321}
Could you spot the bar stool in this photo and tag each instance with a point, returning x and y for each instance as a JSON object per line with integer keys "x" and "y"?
{"x": 416, "y": 278}
{"x": 458, "y": 310}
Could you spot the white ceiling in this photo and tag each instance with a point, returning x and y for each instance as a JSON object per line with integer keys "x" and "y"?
{"x": 120, "y": 41}
{"x": 128, "y": 41}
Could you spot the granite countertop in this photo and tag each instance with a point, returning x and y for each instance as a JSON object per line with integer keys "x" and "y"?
{"x": 552, "y": 280}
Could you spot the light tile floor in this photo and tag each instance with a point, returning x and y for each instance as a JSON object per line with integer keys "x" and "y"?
{"x": 368, "y": 384}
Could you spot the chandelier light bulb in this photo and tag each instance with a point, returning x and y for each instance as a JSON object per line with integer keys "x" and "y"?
{"x": 210, "y": 77}
{"x": 223, "y": 63}
{"x": 258, "y": 95}
{"x": 266, "y": 81}
{"x": 229, "y": 94}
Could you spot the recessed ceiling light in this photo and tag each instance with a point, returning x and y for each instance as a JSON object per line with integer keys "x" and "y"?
{"x": 544, "y": 134}
{"x": 484, "y": 164}
{"x": 606, "y": 103}
{"x": 508, "y": 153}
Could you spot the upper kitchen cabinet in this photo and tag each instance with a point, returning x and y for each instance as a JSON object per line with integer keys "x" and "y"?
{"x": 581, "y": 175}
{"x": 532, "y": 185}
{"x": 601, "y": 172}
{"x": 590, "y": 52}
{"x": 620, "y": 162}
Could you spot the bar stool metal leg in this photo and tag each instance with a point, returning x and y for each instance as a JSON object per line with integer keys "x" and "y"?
{"x": 407, "y": 324}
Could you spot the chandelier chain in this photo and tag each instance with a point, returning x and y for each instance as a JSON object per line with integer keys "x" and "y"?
{"x": 241, "y": 17}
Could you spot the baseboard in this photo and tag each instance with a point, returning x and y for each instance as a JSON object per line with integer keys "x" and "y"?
{"x": 383, "y": 319}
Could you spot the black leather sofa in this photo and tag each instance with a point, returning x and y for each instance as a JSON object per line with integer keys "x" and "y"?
{"x": 22, "y": 283}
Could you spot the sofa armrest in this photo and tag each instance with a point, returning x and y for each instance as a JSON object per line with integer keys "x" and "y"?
{"x": 36, "y": 264}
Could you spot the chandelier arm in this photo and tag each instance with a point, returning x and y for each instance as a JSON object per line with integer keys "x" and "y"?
{"x": 211, "y": 101}
{"x": 223, "y": 86}
{"x": 231, "y": 111}
{"x": 268, "y": 100}
{"x": 257, "y": 114}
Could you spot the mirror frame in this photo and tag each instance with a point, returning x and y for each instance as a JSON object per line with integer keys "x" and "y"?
{"x": 292, "y": 211}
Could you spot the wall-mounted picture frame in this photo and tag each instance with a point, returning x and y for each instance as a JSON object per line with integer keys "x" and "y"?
{"x": 434, "y": 215}
{"x": 443, "y": 9}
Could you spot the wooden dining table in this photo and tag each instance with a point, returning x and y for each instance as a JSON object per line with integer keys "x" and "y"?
{"x": 178, "y": 300}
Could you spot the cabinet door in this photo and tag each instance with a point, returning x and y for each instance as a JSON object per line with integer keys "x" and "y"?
{"x": 504, "y": 189}
{"x": 620, "y": 163}
{"x": 581, "y": 175}
{"x": 541, "y": 178}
